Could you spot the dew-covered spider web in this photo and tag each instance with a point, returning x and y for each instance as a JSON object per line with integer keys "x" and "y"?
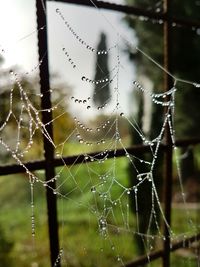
{"x": 102, "y": 189}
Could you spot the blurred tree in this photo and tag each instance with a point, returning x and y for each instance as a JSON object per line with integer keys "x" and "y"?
{"x": 10, "y": 93}
{"x": 101, "y": 94}
{"x": 185, "y": 63}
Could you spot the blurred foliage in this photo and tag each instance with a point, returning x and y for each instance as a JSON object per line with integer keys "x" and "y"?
{"x": 5, "y": 248}
{"x": 13, "y": 103}
{"x": 185, "y": 59}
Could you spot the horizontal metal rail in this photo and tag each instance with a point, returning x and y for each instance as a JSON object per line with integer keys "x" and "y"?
{"x": 159, "y": 253}
{"x": 77, "y": 159}
{"x": 130, "y": 10}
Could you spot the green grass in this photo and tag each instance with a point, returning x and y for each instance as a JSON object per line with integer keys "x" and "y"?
{"x": 84, "y": 245}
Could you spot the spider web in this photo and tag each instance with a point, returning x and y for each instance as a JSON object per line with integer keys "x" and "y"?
{"x": 99, "y": 184}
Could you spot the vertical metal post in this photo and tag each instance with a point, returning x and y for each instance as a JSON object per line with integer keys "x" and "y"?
{"x": 46, "y": 117}
{"x": 168, "y": 83}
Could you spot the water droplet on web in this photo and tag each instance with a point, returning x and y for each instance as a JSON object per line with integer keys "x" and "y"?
{"x": 102, "y": 224}
{"x": 135, "y": 189}
{"x": 88, "y": 107}
{"x": 196, "y": 85}
{"x": 198, "y": 31}
{"x": 93, "y": 189}
{"x": 118, "y": 258}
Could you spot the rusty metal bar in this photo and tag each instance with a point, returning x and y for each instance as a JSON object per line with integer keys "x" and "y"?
{"x": 159, "y": 253}
{"x": 69, "y": 160}
{"x": 130, "y": 10}
{"x": 72, "y": 160}
{"x": 46, "y": 117}
{"x": 168, "y": 179}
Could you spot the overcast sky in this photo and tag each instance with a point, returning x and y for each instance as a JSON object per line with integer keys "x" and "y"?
{"x": 19, "y": 21}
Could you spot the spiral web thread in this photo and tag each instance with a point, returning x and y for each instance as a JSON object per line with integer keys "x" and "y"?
{"x": 101, "y": 190}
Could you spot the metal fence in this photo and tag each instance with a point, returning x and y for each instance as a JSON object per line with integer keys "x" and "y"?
{"x": 49, "y": 163}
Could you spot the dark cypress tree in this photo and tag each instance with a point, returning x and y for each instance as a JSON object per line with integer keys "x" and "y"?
{"x": 101, "y": 93}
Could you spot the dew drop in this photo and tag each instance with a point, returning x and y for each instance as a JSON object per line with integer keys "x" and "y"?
{"x": 83, "y": 78}
{"x": 93, "y": 189}
{"x": 88, "y": 107}
{"x": 102, "y": 224}
{"x": 122, "y": 114}
{"x": 118, "y": 258}
{"x": 135, "y": 189}
{"x": 196, "y": 85}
